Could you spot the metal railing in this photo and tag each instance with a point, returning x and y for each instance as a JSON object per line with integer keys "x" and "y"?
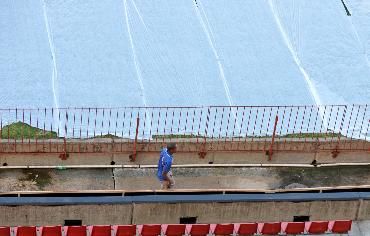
{"x": 245, "y": 126}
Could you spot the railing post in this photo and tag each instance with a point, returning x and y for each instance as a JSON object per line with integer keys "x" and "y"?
{"x": 273, "y": 138}
{"x": 65, "y": 155}
{"x": 134, "y": 151}
{"x": 203, "y": 150}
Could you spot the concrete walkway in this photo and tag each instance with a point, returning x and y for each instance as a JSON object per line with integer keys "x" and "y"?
{"x": 186, "y": 178}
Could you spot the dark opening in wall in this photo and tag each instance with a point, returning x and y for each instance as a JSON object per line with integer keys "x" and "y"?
{"x": 301, "y": 218}
{"x": 188, "y": 220}
{"x": 72, "y": 222}
{"x": 5, "y": 164}
{"x": 112, "y": 163}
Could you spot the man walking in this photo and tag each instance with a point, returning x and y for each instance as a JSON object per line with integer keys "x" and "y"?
{"x": 164, "y": 173}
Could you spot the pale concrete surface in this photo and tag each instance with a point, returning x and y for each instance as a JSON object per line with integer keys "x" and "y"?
{"x": 262, "y": 178}
{"x": 56, "y": 180}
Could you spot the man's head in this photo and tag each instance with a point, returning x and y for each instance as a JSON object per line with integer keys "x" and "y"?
{"x": 171, "y": 147}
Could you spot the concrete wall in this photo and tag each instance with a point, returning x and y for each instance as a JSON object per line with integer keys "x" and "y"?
{"x": 149, "y": 213}
{"x": 55, "y": 215}
{"x": 104, "y": 151}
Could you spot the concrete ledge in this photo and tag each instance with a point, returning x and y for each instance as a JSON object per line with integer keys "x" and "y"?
{"x": 169, "y": 209}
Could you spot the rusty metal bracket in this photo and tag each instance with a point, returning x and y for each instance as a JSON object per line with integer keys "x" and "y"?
{"x": 335, "y": 152}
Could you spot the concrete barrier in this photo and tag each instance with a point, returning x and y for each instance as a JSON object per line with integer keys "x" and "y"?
{"x": 112, "y": 151}
{"x": 165, "y": 213}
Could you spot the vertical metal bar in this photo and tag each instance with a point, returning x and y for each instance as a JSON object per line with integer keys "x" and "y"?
{"x": 73, "y": 125}
{"x": 109, "y": 119}
{"x": 235, "y": 122}
{"x": 115, "y": 129}
{"x": 254, "y": 128}
{"x": 322, "y": 122}
{"x": 200, "y": 121}
{"x": 308, "y": 125}
{"x": 206, "y": 132}
{"x": 227, "y": 128}
{"x": 15, "y": 133}
{"x": 81, "y": 126}
{"x": 220, "y": 131}
{"x": 88, "y": 123}
{"x": 295, "y": 123}
{"x": 37, "y": 130}
{"x": 327, "y": 128}
{"x": 341, "y": 125}
{"x": 136, "y": 135}
{"x": 262, "y": 121}
{"x": 282, "y": 122}
{"x": 334, "y": 127}
{"x": 44, "y": 132}
{"x": 123, "y": 127}
{"x": 129, "y": 129}
{"x": 51, "y": 128}
{"x": 171, "y": 131}
{"x": 102, "y": 124}
{"x": 300, "y": 129}
{"x": 246, "y": 132}
{"x": 22, "y": 131}
{"x": 145, "y": 117}
{"x": 287, "y": 129}
{"x": 151, "y": 126}
{"x": 164, "y": 128}
{"x": 8, "y": 126}
{"x": 159, "y": 117}
{"x": 65, "y": 134}
{"x": 96, "y": 115}
{"x": 213, "y": 129}
{"x": 268, "y": 128}
{"x": 362, "y": 123}
{"x": 179, "y": 124}
{"x": 186, "y": 120}
{"x": 59, "y": 123}
{"x": 314, "y": 125}
{"x": 29, "y": 132}
{"x": 273, "y": 138}
{"x": 354, "y": 127}
{"x": 240, "y": 130}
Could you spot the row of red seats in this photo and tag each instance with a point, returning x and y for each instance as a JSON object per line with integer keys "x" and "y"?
{"x": 274, "y": 228}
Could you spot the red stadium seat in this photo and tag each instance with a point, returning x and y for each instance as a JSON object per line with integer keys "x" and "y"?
{"x": 151, "y": 230}
{"x": 4, "y": 231}
{"x": 247, "y": 229}
{"x": 174, "y": 230}
{"x": 76, "y": 231}
{"x": 224, "y": 229}
{"x": 51, "y": 231}
{"x": 317, "y": 227}
{"x": 293, "y": 227}
{"x": 25, "y": 231}
{"x": 126, "y": 230}
{"x": 341, "y": 226}
{"x": 101, "y": 230}
{"x": 271, "y": 228}
{"x": 199, "y": 229}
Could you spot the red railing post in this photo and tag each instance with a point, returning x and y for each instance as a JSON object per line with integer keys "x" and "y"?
{"x": 134, "y": 151}
{"x": 273, "y": 138}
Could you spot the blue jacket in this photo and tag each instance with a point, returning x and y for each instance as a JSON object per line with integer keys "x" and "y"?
{"x": 164, "y": 163}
